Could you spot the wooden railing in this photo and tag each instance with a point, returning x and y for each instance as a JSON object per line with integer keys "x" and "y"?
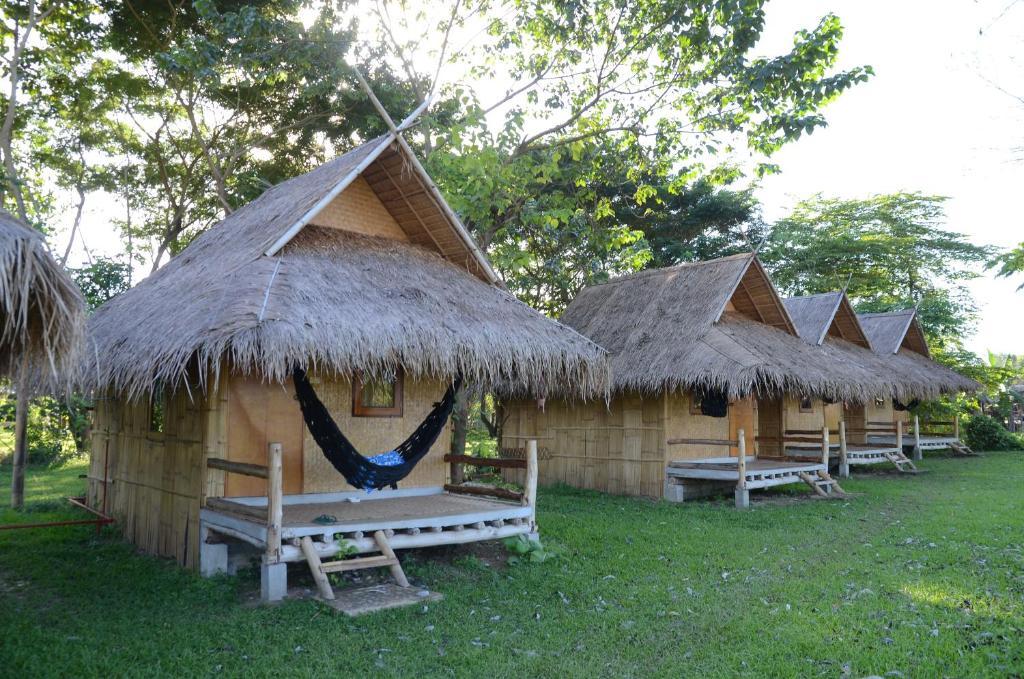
{"x": 272, "y": 515}
{"x": 529, "y": 495}
{"x": 741, "y": 459}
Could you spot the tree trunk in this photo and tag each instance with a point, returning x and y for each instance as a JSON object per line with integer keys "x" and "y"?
{"x": 20, "y": 448}
{"x": 460, "y": 426}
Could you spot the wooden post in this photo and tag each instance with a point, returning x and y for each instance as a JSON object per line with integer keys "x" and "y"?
{"x": 275, "y": 509}
{"x": 742, "y": 494}
{"x": 323, "y": 585}
{"x": 396, "y": 568}
{"x": 917, "y": 455}
{"x": 844, "y": 464}
{"x": 530, "y": 492}
{"x": 20, "y": 445}
{"x": 956, "y": 427}
{"x": 899, "y": 436}
{"x": 824, "y": 447}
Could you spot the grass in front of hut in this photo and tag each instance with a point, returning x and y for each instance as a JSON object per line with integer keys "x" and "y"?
{"x": 914, "y": 576}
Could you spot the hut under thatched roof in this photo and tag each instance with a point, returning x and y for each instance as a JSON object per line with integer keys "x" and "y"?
{"x": 42, "y": 312}
{"x": 700, "y": 351}
{"x": 357, "y": 272}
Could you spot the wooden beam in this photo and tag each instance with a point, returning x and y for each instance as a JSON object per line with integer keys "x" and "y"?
{"x": 245, "y": 468}
{"x": 219, "y": 504}
{"x": 703, "y": 442}
{"x": 484, "y": 490}
{"x": 502, "y": 462}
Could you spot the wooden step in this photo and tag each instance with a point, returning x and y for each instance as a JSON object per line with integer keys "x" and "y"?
{"x": 357, "y": 564}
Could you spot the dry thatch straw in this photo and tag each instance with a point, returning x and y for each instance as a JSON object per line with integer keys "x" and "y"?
{"x": 41, "y": 310}
{"x": 330, "y": 300}
{"x": 898, "y": 340}
{"x": 668, "y": 328}
{"x": 825, "y": 318}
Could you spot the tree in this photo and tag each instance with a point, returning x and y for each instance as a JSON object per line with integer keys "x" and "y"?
{"x": 1010, "y": 263}
{"x": 889, "y": 251}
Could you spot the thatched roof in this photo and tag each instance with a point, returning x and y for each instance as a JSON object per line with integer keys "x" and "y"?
{"x": 41, "y": 310}
{"x": 898, "y": 339}
{"x": 716, "y": 324}
{"x": 330, "y": 300}
{"x": 888, "y": 331}
{"x": 828, "y": 313}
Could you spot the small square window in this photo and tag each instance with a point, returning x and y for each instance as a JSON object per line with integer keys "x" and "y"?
{"x": 806, "y": 404}
{"x": 695, "y": 405}
{"x": 377, "y": 397}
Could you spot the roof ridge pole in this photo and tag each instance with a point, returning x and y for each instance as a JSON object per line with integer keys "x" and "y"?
{"x": 459, "y": 227}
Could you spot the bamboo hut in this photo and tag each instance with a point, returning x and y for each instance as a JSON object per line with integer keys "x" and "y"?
{"x": 703, "y": 355}
{"x": 359, "y": 275}
{"x": 827, "y": 318}
{"x": 41, "y": 318}
{"x": 898, "y": 339}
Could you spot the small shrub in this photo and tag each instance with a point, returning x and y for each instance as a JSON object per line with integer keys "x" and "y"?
{"x": 986, "y": 433}
{"x": 525, "y": 550}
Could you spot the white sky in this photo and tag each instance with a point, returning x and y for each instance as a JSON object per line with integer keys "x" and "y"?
{"x": 927, "y": 121}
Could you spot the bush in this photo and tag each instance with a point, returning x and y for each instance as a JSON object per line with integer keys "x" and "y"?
{"x": 983, "y": 432}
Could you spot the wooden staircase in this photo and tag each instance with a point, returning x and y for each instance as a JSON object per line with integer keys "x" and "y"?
{"x": 903, "y": 463}
{"x": 962, "y": 450}
{"x": 823, "y": 485}
{"x": 321, "y": 569}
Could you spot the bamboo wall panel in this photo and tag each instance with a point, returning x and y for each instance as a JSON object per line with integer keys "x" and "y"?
{"x": 373, "y": 435}
{"x": 155, "y": 478}
{"x": 799, "y": 420}
{"x": 683, "y": 425}
{"x": 614, "y": 449}
{"x": 260, "y": 413}
{"x": 358, "y": 209}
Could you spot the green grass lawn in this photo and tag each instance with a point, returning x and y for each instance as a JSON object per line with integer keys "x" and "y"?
{"x": 912, "y": 577}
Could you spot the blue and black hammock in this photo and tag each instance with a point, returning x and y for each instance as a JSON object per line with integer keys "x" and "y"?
{"x": 379, "y": 471}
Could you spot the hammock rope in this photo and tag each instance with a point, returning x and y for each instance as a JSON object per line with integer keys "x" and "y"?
{"x": 379, "y": 471}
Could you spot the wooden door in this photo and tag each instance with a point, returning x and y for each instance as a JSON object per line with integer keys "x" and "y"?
{"x": 853, "y": 416}
{"x": 769, "y": 426}
{"x": 260, "y": 413}
{"x": 741, "y": 416}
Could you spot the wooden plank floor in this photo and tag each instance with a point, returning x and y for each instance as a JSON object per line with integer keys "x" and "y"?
{"x": 392, "y": 509}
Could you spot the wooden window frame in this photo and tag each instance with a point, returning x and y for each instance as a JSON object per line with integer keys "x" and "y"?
{"x": 809, "y": 408}
{"x": 359, "y": 410}
{"x": 695, "y": 404}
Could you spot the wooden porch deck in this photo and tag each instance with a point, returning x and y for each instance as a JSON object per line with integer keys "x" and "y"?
{"x": 758, "y": 472}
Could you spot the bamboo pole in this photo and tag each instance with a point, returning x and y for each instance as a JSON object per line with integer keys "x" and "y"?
{"x": 844, "y": 465}
{"x": 956, "y": 427}
{"x": 275, "y": 509}
{"x": 323, "y": 585}
{"x": 396, "y": 568}
{"x": 899, "y": 435}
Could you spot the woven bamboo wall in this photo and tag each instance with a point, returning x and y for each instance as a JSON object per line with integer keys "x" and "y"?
{"x": 372, "y": 435}
{"x": 154, "y": 481}
{"x": 833, "y": 414}
{"x": 683, "y": 424}
{"x": 358, "y": 209}
{"x": 616, "y": 449}
{"x": 815, "y": 419}
{"x": 886, "y": 413}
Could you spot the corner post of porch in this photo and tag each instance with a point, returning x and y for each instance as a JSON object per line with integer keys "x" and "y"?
{"x": 899, "y": 436}
{"x": 844, "y": 465}
{"x": 530, "y": 491}
{"x": 917, "y": 438}
{"x": 274, "y": 572}
{"x": 956, "y": 426}
{"x": 742, "y": 493}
